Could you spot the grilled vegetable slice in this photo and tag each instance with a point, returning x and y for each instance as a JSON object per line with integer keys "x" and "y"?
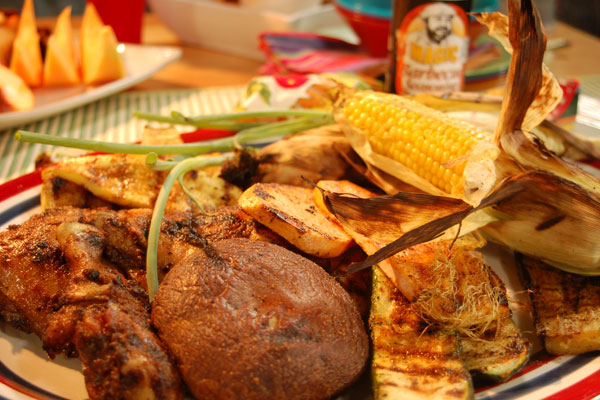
{"x": 411, "y": 361}
{"x": 126, "y": 180}
{"x": 449, "y": 285}
{"x": 290, "y": 212}
{"x": 58, "y": 192}
{"x": 121, "y": 179}
{"x": 566, "y": 307}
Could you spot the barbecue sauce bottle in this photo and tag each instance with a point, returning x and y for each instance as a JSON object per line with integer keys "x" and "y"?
{"x": 429, "y": 45}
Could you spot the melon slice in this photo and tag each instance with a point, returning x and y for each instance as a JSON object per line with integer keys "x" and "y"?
{"x": 60, "y": 67}
{"x": 100, "y": 58}
{"x": 26, "y": 60}
{"x": 15, "y": 95}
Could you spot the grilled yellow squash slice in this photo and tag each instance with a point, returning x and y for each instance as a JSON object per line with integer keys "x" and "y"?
{"x": 290, "y": 211}
{"x": 125, "y": 180}
{"x": 122, "y": 179}
{"x": 566, "y": 307}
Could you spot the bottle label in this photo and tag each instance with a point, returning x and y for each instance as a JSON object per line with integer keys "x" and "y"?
{"x": 432, "y": 48}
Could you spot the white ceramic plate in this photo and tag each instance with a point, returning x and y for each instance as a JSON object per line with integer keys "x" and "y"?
{"x": 26, "y": 373}
{"x": 141, "y": 62}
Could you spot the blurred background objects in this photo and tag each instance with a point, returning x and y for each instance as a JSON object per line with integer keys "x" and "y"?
{"x": 584, "y": 15}
{"x": 47, "y": 8}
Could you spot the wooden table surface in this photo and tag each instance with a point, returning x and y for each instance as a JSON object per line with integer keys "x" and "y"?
{"x": 197, "y": 67}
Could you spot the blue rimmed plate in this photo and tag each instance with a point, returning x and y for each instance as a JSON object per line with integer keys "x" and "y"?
{"x": 27, "y": 373}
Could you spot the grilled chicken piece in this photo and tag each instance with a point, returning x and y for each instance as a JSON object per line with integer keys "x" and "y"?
{"x": 566, "y": 307}
{"x": 52, "y": 274}
{"x": 290, "y": 212}
{"x": 410, "y": 359}
{"x": 127, "y": 233}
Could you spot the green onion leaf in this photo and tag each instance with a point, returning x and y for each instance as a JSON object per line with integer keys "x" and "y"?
{"x": 159, "y": 208}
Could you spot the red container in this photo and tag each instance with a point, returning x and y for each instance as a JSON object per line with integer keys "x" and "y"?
{"x": 125, "y": 17}
{"x": 372, "y": 31}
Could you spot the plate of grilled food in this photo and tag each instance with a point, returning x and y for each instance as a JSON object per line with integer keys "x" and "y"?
{"x": 385, "y": 248}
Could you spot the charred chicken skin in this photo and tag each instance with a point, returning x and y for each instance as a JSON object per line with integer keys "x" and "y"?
{"x": 53, "y": 274}
{"x": 76, "y": 279}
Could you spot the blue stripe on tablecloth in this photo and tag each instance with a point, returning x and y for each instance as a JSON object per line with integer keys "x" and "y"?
{"x": 19, "y": 209}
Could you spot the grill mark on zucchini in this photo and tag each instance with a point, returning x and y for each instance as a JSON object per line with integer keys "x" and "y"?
{"x": 434, "y": 372}
{"x": 411, "y": 361}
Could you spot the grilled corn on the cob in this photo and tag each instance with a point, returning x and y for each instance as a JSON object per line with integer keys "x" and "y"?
{"x": 422, "y": 139}
{"x": 420, "y": 145}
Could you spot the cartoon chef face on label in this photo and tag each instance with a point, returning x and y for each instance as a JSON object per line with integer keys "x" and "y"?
{"x": 433, "y": 50}
{"x": 438, "y": 21}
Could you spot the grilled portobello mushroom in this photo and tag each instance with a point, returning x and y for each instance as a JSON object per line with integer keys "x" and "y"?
{"x": 252, "y": 320}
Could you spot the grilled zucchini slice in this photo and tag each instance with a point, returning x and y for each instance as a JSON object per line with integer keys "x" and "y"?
{"x": 409, "y": 360}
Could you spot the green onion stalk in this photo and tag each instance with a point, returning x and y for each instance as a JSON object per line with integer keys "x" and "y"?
{"x": 159, "y": 208}
{"x": 249, "y": 128}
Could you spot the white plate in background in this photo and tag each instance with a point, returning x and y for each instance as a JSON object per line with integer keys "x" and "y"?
{"x": 141, "y": 62}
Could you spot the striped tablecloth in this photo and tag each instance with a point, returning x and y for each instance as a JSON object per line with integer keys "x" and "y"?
{"x": 109, "y": 119}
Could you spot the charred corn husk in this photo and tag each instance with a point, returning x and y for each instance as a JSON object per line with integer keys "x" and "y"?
{"x": 443, "y": 156}
{"x": 552, "y": 219}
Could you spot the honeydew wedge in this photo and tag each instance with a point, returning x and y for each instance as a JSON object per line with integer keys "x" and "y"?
{"x": 60, "y": 67}
{"x": 100, "y": 59}
{"x": 15, "y": 95}
{"x": 26, "y": 59}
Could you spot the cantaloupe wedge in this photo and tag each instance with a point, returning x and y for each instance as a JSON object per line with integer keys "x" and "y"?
{"x": 26, "y": 59}
{"x": 90, "y": 22}
{"x": 100, "y": 60}
{"x": 60, "y": 67}
{"x": 15, "y": 95}
{"x": 8, "y": 31}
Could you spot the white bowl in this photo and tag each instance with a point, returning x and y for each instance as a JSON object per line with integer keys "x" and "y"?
{"x": 235, "y": 29}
